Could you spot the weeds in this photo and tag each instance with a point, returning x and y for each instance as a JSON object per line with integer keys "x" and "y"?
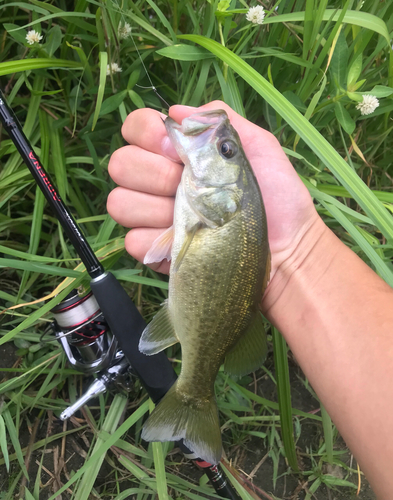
{"x": 302, "y": 74}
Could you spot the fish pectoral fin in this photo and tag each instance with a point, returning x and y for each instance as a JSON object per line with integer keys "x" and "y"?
{"x": 161, "y": 248}
{"x": 186, "y": 245}
{"x": 250, "y": 351}
{"x": 159, "y": 333}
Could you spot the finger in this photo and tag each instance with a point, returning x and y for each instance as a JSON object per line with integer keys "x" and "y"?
{"x": 138, "y": 242}
{"x": 135, "y": 168}
{"x": 145, "y": 128}
{"x": 134, "y": 209}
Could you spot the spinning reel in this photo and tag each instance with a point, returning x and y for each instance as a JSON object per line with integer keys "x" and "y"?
{"x": 90, "y": 347}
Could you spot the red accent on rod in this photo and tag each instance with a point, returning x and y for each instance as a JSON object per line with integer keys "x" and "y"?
{"x": 51, "y": 189}
{"x": 203, "y": 464}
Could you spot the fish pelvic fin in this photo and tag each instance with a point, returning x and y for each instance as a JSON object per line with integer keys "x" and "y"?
{"x": 250, "y": 351}
{"x": 159, "y": 333}
{"x": 195, "y": 421}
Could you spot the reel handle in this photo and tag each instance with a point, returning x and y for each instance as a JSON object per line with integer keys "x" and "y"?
{"x": 97, "y": 387}
{"x": 126, "y": 323}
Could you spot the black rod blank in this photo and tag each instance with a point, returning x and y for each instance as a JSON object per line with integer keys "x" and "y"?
{"x": 82, "y": 247}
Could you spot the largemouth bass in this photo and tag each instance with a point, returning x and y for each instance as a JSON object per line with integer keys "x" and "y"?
{"x": 220, "y": 265}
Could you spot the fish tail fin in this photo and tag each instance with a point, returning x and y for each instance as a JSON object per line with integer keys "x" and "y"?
{"x": 196, "y": 422}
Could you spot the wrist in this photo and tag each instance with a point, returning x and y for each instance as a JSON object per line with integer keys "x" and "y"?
{"x": 301, "y": 268}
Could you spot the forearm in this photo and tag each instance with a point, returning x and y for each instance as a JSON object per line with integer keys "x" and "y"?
{"x": 337, "y": 317}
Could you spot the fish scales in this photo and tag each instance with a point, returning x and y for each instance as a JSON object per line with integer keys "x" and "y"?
{"x": 220, "y": 266}
{"x": 209, "y": 265}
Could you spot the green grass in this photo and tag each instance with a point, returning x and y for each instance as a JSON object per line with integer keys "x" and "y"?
{"x": 301, "y": 75}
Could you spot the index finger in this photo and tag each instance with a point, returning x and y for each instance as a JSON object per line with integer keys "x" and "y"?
{"x": 145, "y": 128}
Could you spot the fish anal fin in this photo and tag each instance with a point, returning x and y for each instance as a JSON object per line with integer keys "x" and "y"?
{"x": 250, "y": 351}
{"x": 159, "y": 333}
{"x": 161, "y": 248}
{"x": 196, "y": 422}
{"x": 186, "y": 245}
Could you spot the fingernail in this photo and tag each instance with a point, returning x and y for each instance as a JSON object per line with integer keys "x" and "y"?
{"x": 168, "y": 150}
{"x": 183, "y": 106}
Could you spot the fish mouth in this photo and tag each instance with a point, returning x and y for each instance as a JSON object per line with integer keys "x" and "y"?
{"x": 197, "y": 123}
{"x": 195, "y": 130}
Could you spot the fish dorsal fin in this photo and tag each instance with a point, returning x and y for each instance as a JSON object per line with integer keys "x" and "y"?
{"x": 159, "y": 333}
{"x": 186, "y": 245}
{"x": 250, "y": 351}
{"x": 161, "y": 248}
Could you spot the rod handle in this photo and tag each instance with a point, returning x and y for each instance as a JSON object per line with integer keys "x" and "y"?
{"x": 126, "y": 323}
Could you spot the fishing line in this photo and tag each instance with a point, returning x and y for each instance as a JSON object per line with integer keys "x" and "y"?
{"x": 152, "y": 86}
{"x": 69, "y": 332}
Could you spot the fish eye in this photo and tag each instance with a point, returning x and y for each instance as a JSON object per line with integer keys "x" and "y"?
{"x": 228, "y": 149}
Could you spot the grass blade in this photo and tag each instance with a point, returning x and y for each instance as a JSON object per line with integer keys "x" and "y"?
{"x": 39, "y": 268}
{"x": 11, "y": 67}
{"x": 139, "y": 19}
{"x": 34, "y": 104}
{"x": 101, "y": 87}
{"x": 309, "y": 16}
{"x": 64, "y": 15}
{"x": 110, "y": 424}
{"x": 58, "y": 160}
{"x": 12, "y": 432}
{"x": 363, "y": 19}
{"x": 284, "y": 397}
{"x": 3, "y": 444}
{"x": 104, "y": 447}
{"x": 381, "y": 267}
{"x": 28, "y": 495}
{"x": 328, "y": 433}
{"x": 159, "y": 467}
{"x": 341, "y": 192}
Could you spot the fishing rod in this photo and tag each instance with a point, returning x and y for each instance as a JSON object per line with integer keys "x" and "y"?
{"x": 100, "y": 332}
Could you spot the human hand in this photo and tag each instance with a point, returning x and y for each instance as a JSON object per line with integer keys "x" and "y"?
{"x": 148, "y": 179}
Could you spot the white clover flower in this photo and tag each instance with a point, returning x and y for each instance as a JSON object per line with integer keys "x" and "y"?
{"x": 113, "y": 68}
{"x": 33, "y": 37}
{"x": 124, "y": 31}
{"x": 256, "y": 14}
{"x": 368, "y": 105}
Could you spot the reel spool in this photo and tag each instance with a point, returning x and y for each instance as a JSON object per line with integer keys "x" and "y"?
{"x": 84, "y": 334}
